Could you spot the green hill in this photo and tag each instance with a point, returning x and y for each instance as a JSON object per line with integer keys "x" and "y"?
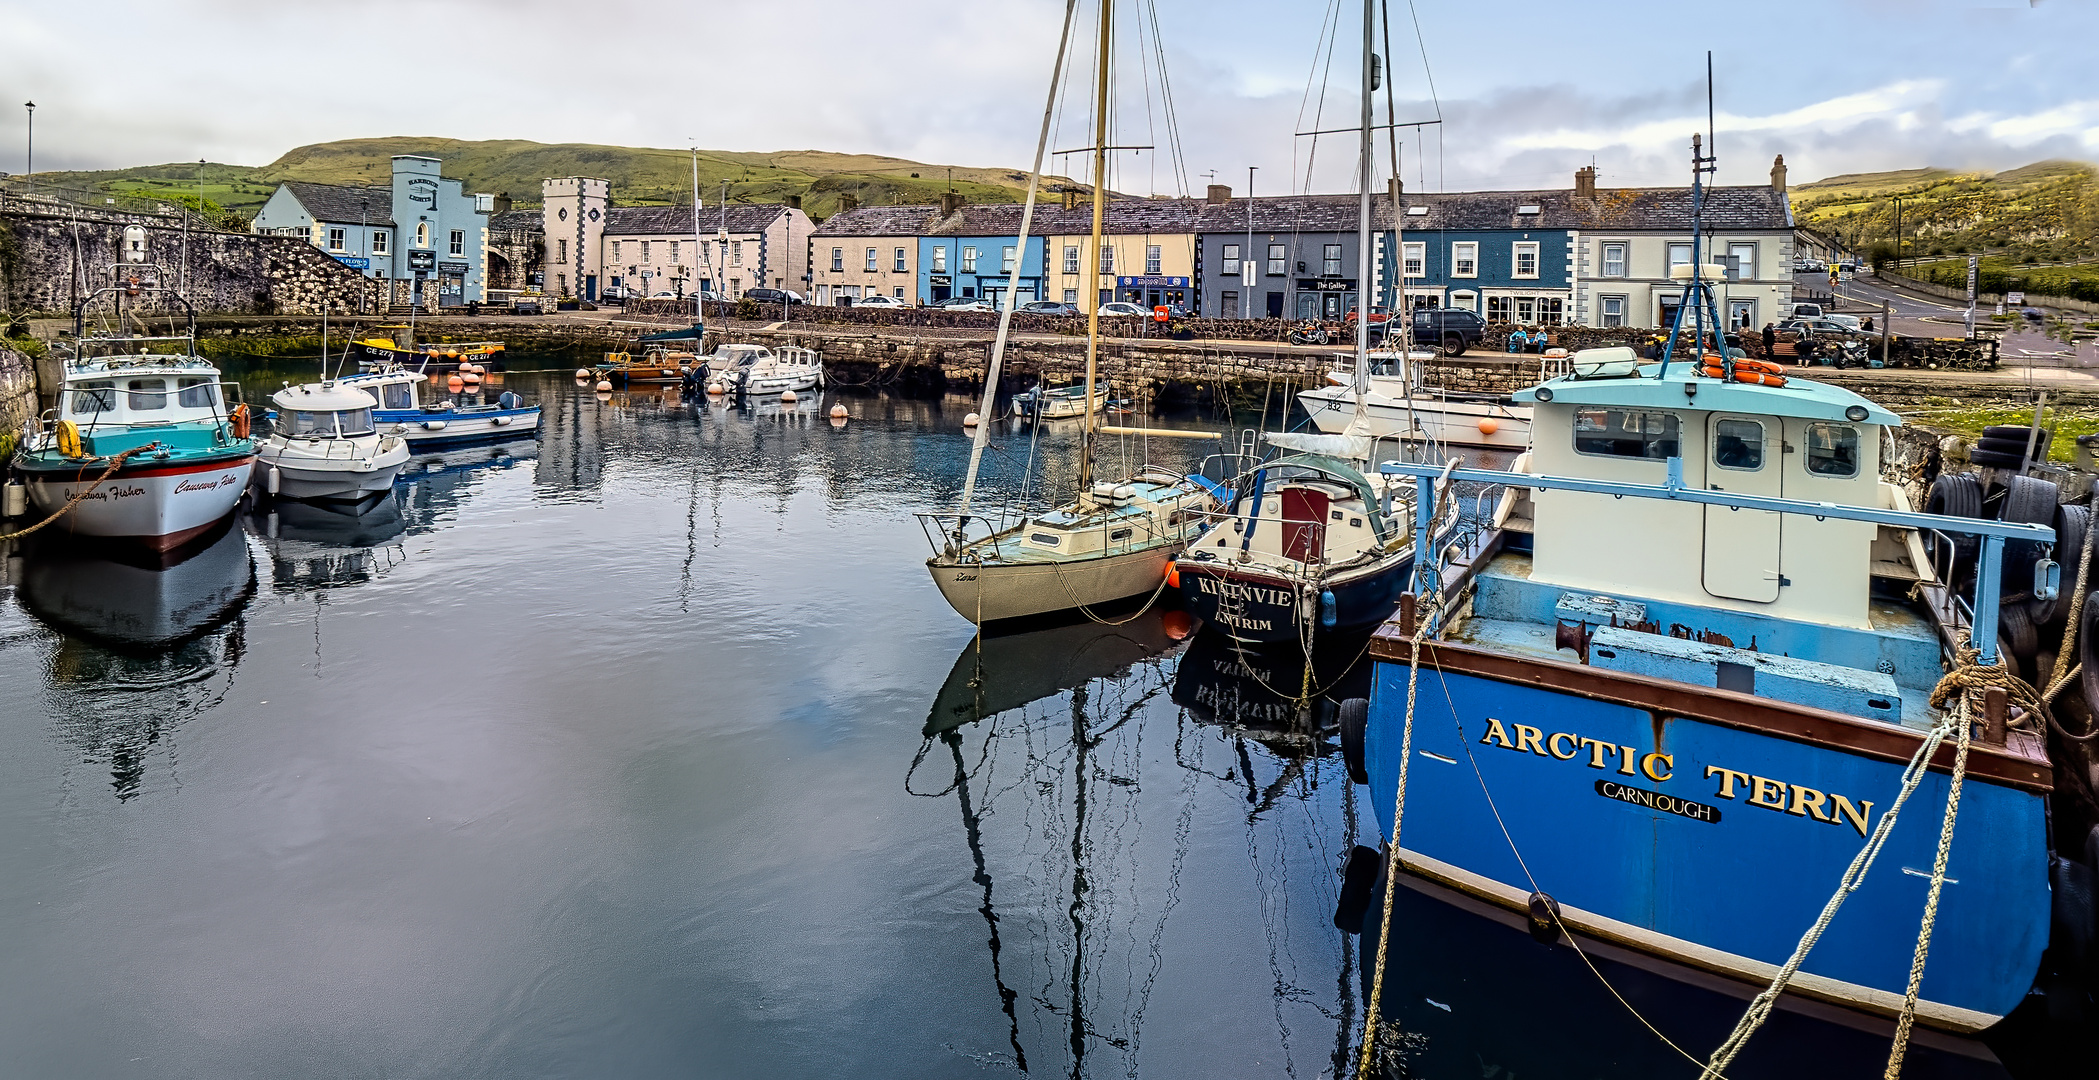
{"x": 2044, "y": 212}
{"x": 640, "y": 176}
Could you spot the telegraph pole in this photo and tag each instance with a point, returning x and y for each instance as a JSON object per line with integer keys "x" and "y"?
{"x": 29, "y": 167}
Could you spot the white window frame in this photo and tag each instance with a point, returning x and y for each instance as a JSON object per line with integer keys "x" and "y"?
{"x": 1071, "y": 262}
{"x": 1466, "y": 299}
{"x": 1153, "y": 258}
{"x": 456, "y": 246}
{"x": 1736, "y": 303}
{"x": 838, "y": 260}
{"x": 1278, "y": 260}
{"x": 1734, "y": 269}
{"x": 1607, "y": 317}
{"x": 1005, "y": 259}
{"x": 338, "y": 239}
{"x": 1413, "y": 259}
{"x": 735, "y": 253}
{"x": 379, "y": 243}
{"x": 940, "y": 259}
{"x": 1107, "y": 258}
{"x": 1622, "y": 249}
{"x": 969, "y": 259}
{"x": 874, "y": 259}
{"x": 1517, "y": 251}
{"x": 1676, "y": 247}
{"x": 902, "y": 264}
{"x": 1231, "y": 255}
{"x": 1465, "y": 259}
{"x": 1071, "y": 296}
{"x": 422, "y": 235}
{"x": 1330, "y": 260}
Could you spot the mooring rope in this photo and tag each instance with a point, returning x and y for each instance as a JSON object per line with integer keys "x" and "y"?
{"x": 1399, "y": 810}
{"x": 115, "y": 463}
{"x": 1931, "y": 899}
{"x": 1964, "y": 679}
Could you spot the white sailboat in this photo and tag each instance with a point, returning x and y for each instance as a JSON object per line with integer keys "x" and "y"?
{"x": 1115, "y": 539}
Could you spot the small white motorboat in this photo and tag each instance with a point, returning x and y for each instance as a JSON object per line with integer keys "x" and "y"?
{"x": 448, "y": 421}
{"x": 761, "y": 372}
{"x": 325, "y": 446}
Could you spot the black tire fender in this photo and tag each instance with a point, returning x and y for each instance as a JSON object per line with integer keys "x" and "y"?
{"x": 1354, "y": 718}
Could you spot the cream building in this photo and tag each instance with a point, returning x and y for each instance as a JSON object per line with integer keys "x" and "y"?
{"x": 593, "y": 246}
{"x": 1625, "y": 240}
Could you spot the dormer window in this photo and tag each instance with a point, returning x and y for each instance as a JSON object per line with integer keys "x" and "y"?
{"x": 1530, "y": 209}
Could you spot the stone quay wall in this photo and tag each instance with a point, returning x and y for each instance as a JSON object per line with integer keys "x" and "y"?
{"x": 50, "y": 261}
{"x": 17, "y": 397}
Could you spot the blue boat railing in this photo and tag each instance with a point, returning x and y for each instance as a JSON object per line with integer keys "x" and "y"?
{"x": 1989, "y": 563}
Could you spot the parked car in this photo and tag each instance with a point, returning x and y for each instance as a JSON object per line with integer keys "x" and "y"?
{"x": 878, "y": 300}
{"x": 1049, "y": 307}
{"x": 968, "y": 303}
{"x": 1806, "y": 265}
{"x": 529, "y": 305}
{"x": 1118, "y": 307}
{"x": 773, "y": 296}
{"x": 1817, "y": 326}
{"x": 663, "y": 294}
{"x": 1805, "y": 311}
{"x": 1849, "y": 321}
{"x": 951, "y": 301}
{"x": 1452, "y": 329}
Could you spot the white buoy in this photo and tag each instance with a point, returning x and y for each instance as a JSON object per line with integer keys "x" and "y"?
{"x": 582, "y": 374}
{"x": 787, "y": 397}
{"x": 276, "y": 479}
{"x": 972, "y": 420}
{"x": 838, "y": 412}
{"x": 16, "y": 501}
{"x": 604, "y": 386}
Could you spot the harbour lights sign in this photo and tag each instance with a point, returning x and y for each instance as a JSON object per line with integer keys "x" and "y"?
{"x": 1778, "y": 796}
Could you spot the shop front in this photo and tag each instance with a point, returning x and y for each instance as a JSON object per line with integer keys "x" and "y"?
{"x": 1325, "y": 299}
{"x": 1151, "y": 290}
{"x": 451, "y": 284}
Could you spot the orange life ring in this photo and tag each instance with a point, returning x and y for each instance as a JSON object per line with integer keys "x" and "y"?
{"x": 1764, "y": 366}
{"x": 240, "y": 420}
{"x": 1744, "y": 375}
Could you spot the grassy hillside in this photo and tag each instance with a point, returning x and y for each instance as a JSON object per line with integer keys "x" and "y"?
{"x": 640, "y": 176}
{"x": 2044, "y": 212}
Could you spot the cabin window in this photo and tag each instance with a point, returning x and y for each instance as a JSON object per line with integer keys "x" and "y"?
{"x": 1355, "y": 523}
{"x": 311, "y": 425}
{"x": 146, "y": 395}
{"x": 1120, "y": 534}
{"x": 195, "y": 393}
{"x": 374, "y": 394}
{"x": 95, "y": 397}
{"x": 1044, "y": 539}
{"x": 1832, "y": 450}
{"x": 1625, "y": 433}
{"x": 400, "y": 396}
{"x": 356, "y": 421}
{"x": 1738, "y": 444}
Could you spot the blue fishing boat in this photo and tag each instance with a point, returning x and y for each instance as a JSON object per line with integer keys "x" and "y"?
{"x": 447, "y": 421}
{"x": 1706, "y": 689}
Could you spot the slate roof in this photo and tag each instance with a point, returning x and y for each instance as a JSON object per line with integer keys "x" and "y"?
{"x": 1630, "y": 209}
{"x": 344, "y": 204}
{"x": 517, "y": 221}
{"x": 677, "y": 220}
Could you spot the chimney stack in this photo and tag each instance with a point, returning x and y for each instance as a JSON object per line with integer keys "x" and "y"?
{"x": 1220, "y": 194}
{"x": 502, "y": 202}
{"x": 847, "y": 202}
{"x": 1585, "y": 182}
{"x": 794, "y": 201}
{"x": 951, "y": 203}
{"x": 1071, "y": 198}
{"x": 1778, "y": 174}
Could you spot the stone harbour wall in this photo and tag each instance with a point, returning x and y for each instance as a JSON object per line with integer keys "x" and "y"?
{"x": 17, "y": 397}
{"x": 53, "y": 260}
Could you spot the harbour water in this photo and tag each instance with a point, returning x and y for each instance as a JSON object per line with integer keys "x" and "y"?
{"x": 646, "y": 749}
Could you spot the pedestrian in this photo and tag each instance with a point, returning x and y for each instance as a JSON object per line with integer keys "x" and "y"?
{"x": 1538, "y": 340}
{"x": 1770, "y": 341}
{"x": 1867, "y": 326}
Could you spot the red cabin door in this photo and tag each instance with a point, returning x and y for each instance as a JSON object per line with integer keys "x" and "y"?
{"x": 1304, "y": 524}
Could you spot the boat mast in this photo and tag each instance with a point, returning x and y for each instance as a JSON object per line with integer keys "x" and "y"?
{"x": 1100, "y": 184}
{"x": 1363, "y": 169}
{"x": 699, "y": 311}
{"x": 1005, "y": 319}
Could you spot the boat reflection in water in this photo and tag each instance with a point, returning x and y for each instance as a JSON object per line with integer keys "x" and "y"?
{"x": 433, "y": 485}
{"x": 147, "y": 643}
{"x": 1000, "y": 673}
{"x": 319, "y": 545}
{"x": 1260, "y": 691}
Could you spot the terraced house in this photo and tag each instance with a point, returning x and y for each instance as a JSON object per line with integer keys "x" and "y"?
{"x": 593, "y": 246}
{"x": 423, "y": 231}
{"x": 867, "y": 251}
{"x": 1626, "y": 240}
{"x": 1302, "y": 250}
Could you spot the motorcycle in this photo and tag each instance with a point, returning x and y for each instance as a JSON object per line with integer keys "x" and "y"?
{"x": 1309, "y": 333}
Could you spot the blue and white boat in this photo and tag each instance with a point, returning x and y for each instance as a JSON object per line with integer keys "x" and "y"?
{"x": 449, "y": 421}
{"x": 1671, "y": 698}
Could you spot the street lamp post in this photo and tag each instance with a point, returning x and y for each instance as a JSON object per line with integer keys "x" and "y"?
{"x": 29, "y": 167}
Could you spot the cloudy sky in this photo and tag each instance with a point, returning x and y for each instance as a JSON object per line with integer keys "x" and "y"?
{"x": 1528, "y": 90}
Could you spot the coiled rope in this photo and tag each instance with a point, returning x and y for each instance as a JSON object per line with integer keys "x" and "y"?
{"x": 115, "y": 463}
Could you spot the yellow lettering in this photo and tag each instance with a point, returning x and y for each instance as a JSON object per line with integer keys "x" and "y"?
{"x": 1769, "y": 793}
{"x": 1530, "y": 738}
{"x": 1625, "y": 759}
{"x": 1842, "y": 810}
{"x": 1598, "y": 750}
{"x": 1806, "y": 801}
{"x": 1497, "y": 734}
{"x": 1647, "y": 766}
{"x": 1553, "y": 744}
{"x": 1728, "y": 777}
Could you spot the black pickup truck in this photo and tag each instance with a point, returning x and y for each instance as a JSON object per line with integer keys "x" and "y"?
{"x": 1452, "y": 330}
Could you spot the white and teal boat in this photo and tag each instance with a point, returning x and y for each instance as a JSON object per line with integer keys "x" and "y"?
{"x": 143, "y": 442}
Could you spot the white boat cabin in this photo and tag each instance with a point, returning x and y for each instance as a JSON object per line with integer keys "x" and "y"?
{"x": 141, "y": 391}
{"x": 1803, "y": 440}
{"x": 1305, "y": 511}
{"x": 318, "y": 411}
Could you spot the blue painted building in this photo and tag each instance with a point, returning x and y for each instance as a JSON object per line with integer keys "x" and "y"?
{"x": 423, "y": 231}
{"x": 1505, "y": 254}
{"x": 970, "y": 251}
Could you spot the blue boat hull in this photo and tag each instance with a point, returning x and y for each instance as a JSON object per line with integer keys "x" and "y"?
{"x": 1695, "y": 833}
{"x": 1253, "y": 606}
